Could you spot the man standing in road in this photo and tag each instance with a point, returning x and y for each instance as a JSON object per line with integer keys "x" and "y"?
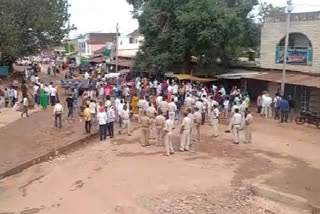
{"x": 172, "y": 107}
{"x": 87, "y": 119}
{"x": 125, "y": 118}
{"x": 160, "y": 120}
{"x": 141, "y": 106}
{"x": 151, "y": 113}
{"x": 248, "y": 127}
{"x": 57, "y": 113}
{"x": 235, "y": 125}
{"x": 197, "y": 121}
{"x": 25, "y": 106}
{"x": 284, "y": 109}
{"x": 102, "y": 120}
{"x": 215, "y": 120}
{"x": 111, "y": 118}
{"x": 93, "y": 111}
{"x": 69, "y": 103}
{"x": 168, "y": 127}
{"x": 292, "y": 106}
{"x": 185, "y": 133}
{"x": 188, "y": 103}
{"x": 145, "y": 123}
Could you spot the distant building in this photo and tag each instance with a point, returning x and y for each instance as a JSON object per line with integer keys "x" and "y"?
{"x": 304, "y": 42}
{"x": 91, "y": 42}
{"x": 130, "y": 44}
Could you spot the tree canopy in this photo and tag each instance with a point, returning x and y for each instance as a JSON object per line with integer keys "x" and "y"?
{"x": 176, "y": 31}
{"x": 27, "y": 26}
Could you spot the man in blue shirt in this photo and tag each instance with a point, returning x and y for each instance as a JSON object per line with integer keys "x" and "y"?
{"x": 284, "y": 108}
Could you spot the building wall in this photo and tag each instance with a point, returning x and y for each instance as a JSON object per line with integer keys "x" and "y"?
{"x": 129, "y": 49}
{"x": 272, "y": 33}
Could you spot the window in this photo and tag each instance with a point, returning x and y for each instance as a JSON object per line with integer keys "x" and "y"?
{"x": 132, "y": 40}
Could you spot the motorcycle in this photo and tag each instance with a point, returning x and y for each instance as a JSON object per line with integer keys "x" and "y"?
{"x": 309, "y": 118}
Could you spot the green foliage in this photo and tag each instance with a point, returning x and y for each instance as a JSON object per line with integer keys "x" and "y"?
{"x": 266, "y": 9}
{"x": 27, "y": 26}
{"x": 176, "y": 30}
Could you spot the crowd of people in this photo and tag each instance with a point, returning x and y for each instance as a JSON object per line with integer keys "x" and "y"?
{"x": 159, "y": 106}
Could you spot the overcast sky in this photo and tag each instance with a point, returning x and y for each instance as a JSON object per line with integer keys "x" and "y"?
{"x": 102, "y": 15}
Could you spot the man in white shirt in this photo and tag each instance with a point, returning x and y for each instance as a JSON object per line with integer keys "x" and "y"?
{"x": 53, "y": 94}
{"x": 185, "y": 133}
{"x": 159, "y": 89}
{"x": 36, "y": 94}
{"x": 86, "y": 75}
{"x": 172, "y": 107}
{"x": 57, "y": 113}
{"x": 235, "y": 125}
{"x": 199, "y": 105}
{"x": 168, "y": 127}
{"x": 175, "y": 89}
{"x": 102, "y": 120}
{"x": 188, "y": 102}
{"x": 93, "y": 110}
{"x": 215, "y": 120}
{"x": 125, "y": 118}
{"x": 25, "y": 106}
{"x": 141, "y": 105}
{"x": 110, "y": 121}
{"x": 159, "y": 100}
{"x": 222, "y": 91}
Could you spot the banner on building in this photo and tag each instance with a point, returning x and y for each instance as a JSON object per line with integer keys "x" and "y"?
{"x": 296, "y": 55}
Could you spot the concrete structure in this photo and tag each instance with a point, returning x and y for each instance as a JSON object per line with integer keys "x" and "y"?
{"x": 304, "y": 42}
{"x": 92, "y": 42}
{"x": 130, "y": 44}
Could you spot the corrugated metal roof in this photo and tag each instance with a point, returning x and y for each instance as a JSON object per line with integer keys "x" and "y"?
{"x": 291, "y": 78}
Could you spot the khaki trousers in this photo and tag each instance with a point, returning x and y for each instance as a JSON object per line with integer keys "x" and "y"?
{"x": 171, "y": 116}
{"x": 126, "y": 124}
{"x": 185, "y": 140}
{"x": 145, "y": 136}
{"x": 215, "y": 124}
{"x": 248, "y": 130}
{"x": 196, "y": 129}
{"x": 140, "y": 115}
{"x": 235, "y": 133}
{"x": 152, "y": 128}
{"x": 168, "y": 143}
{"x": 159, "y": 132}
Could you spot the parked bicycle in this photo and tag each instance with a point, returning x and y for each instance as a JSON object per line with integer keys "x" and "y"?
{"x": 309, "y": 118}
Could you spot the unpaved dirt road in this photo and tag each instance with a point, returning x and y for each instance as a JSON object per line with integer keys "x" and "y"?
{"x": 125, "y": 178}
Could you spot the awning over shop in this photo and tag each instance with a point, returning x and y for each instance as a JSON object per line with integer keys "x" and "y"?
{"x": 293, "y": 78}
{"x": 193, "y": 78}
{"x": 238, "y": 74}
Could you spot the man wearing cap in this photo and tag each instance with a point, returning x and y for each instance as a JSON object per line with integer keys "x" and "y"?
{"x": 172, "y": 108}
{"x": 145, "y": 123}
{"x": 168, "y": 127}
{"x": 160, "y": 120}
{"x": 215, "y": 120}
{"x": 197, "y": 121}
{"x": 151, "y": 113}
{"x": 185, "y": 133}
{"x": 141, "y": 105}
{"x": 235, "y": 125}
{"x": 125, "y": 118}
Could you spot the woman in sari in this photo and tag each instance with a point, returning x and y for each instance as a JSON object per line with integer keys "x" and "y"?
{"x": 134, "y": 104}
{"x": 43, "y": 99}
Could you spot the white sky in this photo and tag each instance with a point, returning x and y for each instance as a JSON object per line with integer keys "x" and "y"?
{"x": 102, "y": 15}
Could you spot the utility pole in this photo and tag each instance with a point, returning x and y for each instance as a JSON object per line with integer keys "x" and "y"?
{"x": 283, "y": 81}
{"x": 117, "y": 43}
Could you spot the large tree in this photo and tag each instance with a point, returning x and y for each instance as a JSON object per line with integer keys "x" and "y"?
{"x": 27, "y": 26}
{"x": 177, "y": 30}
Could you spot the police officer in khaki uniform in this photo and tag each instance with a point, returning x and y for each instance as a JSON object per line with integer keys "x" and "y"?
{"x": 215, "y": 120}
{"x": 172, "y": 108}
{"x": 192, "y": 130}
{"x": 151, "y": 113}
{"x": 141, "y": 105}
{"x": 197, "y": 121}
{"x": 160, "y": 120}
{"x": 185, "y": 133}
{"x": 168, "y": 127}
{"x": 163, "y": 107}
{"x": 248, "y": 127}
{"x": 145, "y": 123}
